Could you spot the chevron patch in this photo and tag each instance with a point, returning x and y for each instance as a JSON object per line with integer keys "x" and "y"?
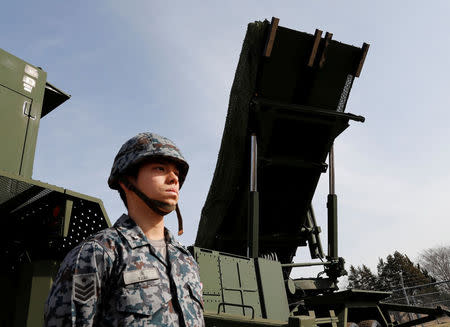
{"x": 84, "y": 287}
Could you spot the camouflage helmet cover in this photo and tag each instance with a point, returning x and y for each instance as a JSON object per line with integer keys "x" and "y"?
{"x": 144, "y": 146}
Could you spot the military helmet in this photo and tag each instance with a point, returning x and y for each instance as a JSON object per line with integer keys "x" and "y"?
{"x": 142, "y": 147}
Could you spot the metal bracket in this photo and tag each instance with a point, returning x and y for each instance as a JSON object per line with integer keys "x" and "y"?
{"x": 24, "y": 109}
{"x": 236, "y": 305}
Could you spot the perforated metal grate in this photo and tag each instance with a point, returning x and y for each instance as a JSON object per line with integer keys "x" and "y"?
{"x": 345, "y": 93}
{"x": 33, "y": 218}
{"x": 9, "y": 188}
{"x": 86, "y": 220}
{"x": 41, "y": 194}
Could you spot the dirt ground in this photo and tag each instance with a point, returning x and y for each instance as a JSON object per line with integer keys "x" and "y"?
{"x": 441, "y": 322}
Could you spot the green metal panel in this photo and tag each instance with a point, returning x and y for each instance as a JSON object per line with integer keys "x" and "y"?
{"x": 13, "y": 129}
{"x": 30, "y": 286}
{"x": 22, "y": 93}
{"x": 250, "y": 292}
{"x": 210, "y": 277}
{"x": 15, "y": 73}
{"x": 229, "y": 284}
{"x": 22, "y": 281}
{"x": 239, "y": 284}
{"x": 43, "y": 275}
{"x": 31, "y": 135}
{"x": 233, "y": 296}
{"x": 229, "y": 272}
{"x": 273, "y": 289}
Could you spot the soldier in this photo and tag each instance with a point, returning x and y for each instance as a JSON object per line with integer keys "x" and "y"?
{"x": 134, "y": 273}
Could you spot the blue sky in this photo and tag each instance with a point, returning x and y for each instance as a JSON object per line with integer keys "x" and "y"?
{"x": 168, "y": 66}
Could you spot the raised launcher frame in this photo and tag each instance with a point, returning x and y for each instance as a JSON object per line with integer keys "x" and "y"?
{"x": 286, "y": 108}
{"x": 40, "y": 222}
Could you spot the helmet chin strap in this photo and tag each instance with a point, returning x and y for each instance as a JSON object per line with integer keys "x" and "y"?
{"x": 155, "y": 205}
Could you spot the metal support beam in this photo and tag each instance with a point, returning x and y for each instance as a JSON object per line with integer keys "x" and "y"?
{"x": 304, "y": 264}
{"x": 332, "y": 211}
{"x": 253, "y": 214}
{"x": 313, "y": 111}
{"x": 67, "y": 216}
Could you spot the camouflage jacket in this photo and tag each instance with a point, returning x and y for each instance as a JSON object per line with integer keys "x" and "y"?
{"x": 116, "y": 278}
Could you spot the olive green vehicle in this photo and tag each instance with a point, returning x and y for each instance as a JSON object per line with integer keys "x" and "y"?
{"x": 40, "y": 222}
{"x": 287, "y": 106}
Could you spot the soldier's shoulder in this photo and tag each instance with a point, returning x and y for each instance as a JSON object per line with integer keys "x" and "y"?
{"x": 108, "y": 238}
{"x": 105, "y": 234}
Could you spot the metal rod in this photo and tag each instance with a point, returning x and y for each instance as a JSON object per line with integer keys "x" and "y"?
{"x": 331, "y": 171}
{"x": 305, "y": 264}
{"x": 314, "y": 111}
{"x": 253, "y": 206}
{"x": 422, "y": 285}
{"x": 332, "y": 211}
{"x": 253, "y": 164}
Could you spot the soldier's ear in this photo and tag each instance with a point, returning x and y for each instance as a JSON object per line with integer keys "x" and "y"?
{"x": 128, "y": 179}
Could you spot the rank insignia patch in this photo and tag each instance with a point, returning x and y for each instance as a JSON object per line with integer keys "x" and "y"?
{"x": 84, "y": 287}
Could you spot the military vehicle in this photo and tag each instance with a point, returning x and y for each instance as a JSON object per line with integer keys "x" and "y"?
{"x": 41, "y": 222}
{"x": 287, "y": 106}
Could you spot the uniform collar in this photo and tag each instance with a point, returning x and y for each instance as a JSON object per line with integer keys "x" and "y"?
{"x": 170, "y": 239}
{"x": 136, "y": 237}
{"x": 131, "y": 231}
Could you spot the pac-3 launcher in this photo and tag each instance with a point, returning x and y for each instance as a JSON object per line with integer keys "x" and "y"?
{"x": 287, "y": 106}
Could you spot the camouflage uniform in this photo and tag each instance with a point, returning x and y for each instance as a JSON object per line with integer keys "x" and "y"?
{"x": 116, "y": 278}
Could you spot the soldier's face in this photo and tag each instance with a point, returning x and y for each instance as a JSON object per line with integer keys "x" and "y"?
{"x": 159, "y": 181}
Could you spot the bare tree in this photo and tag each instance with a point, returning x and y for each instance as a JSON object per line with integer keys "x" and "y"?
{"x": 437, "y": 262}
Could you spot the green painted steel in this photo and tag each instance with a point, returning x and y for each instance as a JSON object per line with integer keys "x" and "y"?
{"x": 230, "y": 283}
{"x": 242, "y": 286}
{"x": 43, "y": 275}
{"x": 273, "y": 290}
{"x": 12, "y": 130}
{"x": 286, "y": 109}
{"x": 30, "y": 287}
{"x": 40, "y": 222}
{"x": 22, "y": 88}
{"x": 333, "y": 225}
{"x": 295, "y": 111}
{"x": 253, "y": 225}
{"x": 25, "y": 97}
